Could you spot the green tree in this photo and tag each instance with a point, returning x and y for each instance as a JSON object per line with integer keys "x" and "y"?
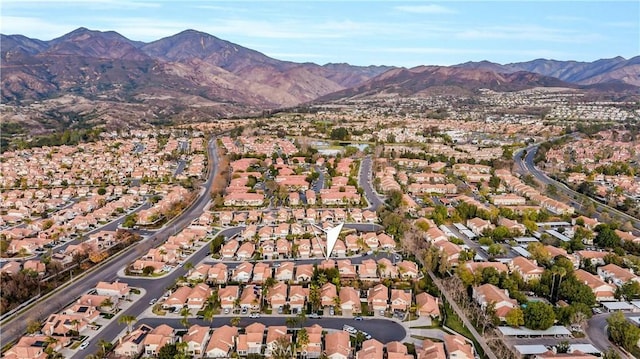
{"x": 629, "y": 290}
{"x": 611, "y": 354}
{"x": 235, "y": 321}
{"x": 33, "y": 326}
{"x": 185, "y": 313}
{"x": 339, "y": 134}
{"x": 169, "y": 351}
{"x": 129, "y": 320}
{"x": 606, "y": 237}
{"x": 539, "y": 316}
{"x": 574, "y": 291}
{"x": 622, "y": 332}
{"x": 515, "y": 318}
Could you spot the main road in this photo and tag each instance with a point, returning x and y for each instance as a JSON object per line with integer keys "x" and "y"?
{"x": 527, "y": 165}
{"x": 365, "y": 181}
{"x": 16, "y": 326}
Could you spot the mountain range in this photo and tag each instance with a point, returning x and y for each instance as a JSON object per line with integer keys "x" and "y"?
{"x": 192, "y": 74}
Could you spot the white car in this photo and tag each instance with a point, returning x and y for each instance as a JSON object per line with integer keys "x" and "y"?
{"x": 84, "y": 345}
{"x": 254, "y": 315}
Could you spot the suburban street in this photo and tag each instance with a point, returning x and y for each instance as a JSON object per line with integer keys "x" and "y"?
{"x": 16, "y": 326}
{"x": 155, "y": 288}
{"x": 597, "y": 324}
{"x": 526, "y": 165}
{"x": 365, "y": 181}
{"x": 383, "y": 330}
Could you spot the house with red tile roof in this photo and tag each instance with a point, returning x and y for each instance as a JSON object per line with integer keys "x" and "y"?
{"x": 386, "y": 269}
{"x": 297, "y": 298}
{"x": 327, "y": 294}
{"x": 371, "y": 349}
{"x": 228, "y": 296}
{"x": 408, "y": 269}
{"x": 198, "y": 296}
{"x": 275, "y": 333}
{"x": 132, "y": 344}
{"x": 479, "y": 225}
{"x": 427, "y": 305}
{"x": 616, "y": 274}
{"x": 313, "y": 349}
{"x": 477, "y": 267}
{"x": 115, "y": 289}
{"x": 527, "y": 268}
{"x": 242, "y": 273}
{"x": 277, "y": 295}
{"x": 157, "y": 338}
{"x": 431, "y": 350}
{"x": 346, "y": 269}
{"x": 196, "y": 339}
{"x": 250, "y": 298}
{"x": 457, "y": 347}
{"x": 261, "y": 271}
{"x": 378, "y": 298}
{"x": 229, "y": 249}
{"x": 218, "y": 274}
{"x": 285, "y": 271}
{"x": 251, "y": 341}
{"x": 602, "y": 290}
{"x": 33, "y": 347}
{"x": 400, "y": 300}
{"x": 245, "y": 251}
{"x": 489, "y": 293}
{"x": 223, "y": 341}
{"x": 368, "y": 269}
{"x": 350, "y": 300}
{"x": 337, "y": 345}
{"x": 303, "y": 273}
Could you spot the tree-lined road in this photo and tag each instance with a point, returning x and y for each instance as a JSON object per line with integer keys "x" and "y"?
{"x": 56, "y": 301}
{"x": 526, "y": 165}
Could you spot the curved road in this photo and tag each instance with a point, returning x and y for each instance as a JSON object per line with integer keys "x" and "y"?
{"x": 16, "y": 326}
{"x": 597, "y": 324}
{"x": 527, "y": 165}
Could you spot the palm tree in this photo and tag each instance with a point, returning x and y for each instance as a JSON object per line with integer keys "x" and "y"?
{"x": 314, "y": 297}
{"x": 76, "y": 325}
{"x": 185, "y": 313}
{"x": 107, "y": 302}
{"x": 303, "y": 338}
{"x": 291, "y": 322}
{"x": 302, "y": 317}
{"x": 129, "y": 320}
{"x": 235, "y": 321}
{"x": 105, "y": 346}
{"x": 182, "y": 347}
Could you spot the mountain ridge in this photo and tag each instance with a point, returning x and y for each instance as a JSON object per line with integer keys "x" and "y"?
{"x": 192, "y": 74}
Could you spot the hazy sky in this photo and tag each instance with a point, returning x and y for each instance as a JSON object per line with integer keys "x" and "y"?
{"x": 358, "y": 32}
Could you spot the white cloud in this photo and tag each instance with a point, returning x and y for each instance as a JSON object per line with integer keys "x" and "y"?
{"x": 529, "y": 33}
{"x": 33, "y": 27}
{"x": 90, "y": 4}
{"x": 425, "y": 9}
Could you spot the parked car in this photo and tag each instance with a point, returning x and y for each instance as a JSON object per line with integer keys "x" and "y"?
{"x": 314, "y": 316}
{"x": 244, "y": 311}
{"x": 84, "y": 345}
{"x": 357, "y": 318}
{"x": 254, "y": 315}
{"x": 153, "y": 301}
